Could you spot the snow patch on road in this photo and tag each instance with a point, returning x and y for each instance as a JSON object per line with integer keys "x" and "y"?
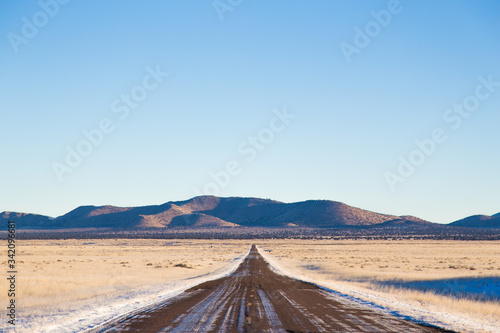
{"x": 389, "y": 304}
{"x": 89, "y": 314}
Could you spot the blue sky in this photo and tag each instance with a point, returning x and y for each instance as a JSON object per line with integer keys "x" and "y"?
{"x": 232, "y": 68}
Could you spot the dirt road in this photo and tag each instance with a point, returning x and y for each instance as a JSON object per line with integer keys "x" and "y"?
{"x": 255, "y": 299}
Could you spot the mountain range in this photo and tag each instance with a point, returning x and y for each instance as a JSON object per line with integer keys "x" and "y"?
{"x": 211, "y": 211}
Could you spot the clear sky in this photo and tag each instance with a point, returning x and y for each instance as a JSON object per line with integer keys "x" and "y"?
{"x": 288, "y": 100}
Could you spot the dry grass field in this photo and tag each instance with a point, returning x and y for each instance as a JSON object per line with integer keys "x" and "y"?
{"x": 52, "y": 273}
{"x": 450, "y": 276}
{"x": 462, "y": 276}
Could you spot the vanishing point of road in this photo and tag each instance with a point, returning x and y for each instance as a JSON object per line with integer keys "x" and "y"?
{"x": 256, "y": 299}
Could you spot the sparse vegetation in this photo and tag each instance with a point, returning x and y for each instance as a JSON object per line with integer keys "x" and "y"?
{"x": 456, "y": 275}
{"x": 431, "y": 232}
{"x": 61, "y": 271}
{"x": 183, "y": 265}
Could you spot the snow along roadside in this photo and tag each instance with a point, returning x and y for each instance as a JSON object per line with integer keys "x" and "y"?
{"x": 389, "y": 304}
{"x": 90, "y": 314}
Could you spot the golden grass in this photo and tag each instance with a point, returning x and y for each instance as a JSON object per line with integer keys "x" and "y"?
{"x": 405, "y": 260}
{"x": 484, "y": 309}
{"x": 54, "y": 273}
{"x": 368, "y": 263}
{"x": 51, "y": 273}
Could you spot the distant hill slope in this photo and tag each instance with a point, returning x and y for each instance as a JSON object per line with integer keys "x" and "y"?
{"x": 211, "y": 211}
{"x": 120, "y": 217}
{"x": 26, "y": 220}
{"x": 479, "y": 221}
{"x": 253, "y": 212}
{"x": 404, "y": 221}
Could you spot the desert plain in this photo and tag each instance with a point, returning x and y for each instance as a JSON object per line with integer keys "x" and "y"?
{"x": 446, "y": 275}
{"x": 456, "y": 277}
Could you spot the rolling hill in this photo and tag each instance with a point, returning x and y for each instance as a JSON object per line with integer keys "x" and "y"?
{"x": 211, "y": 211}
{"x": 26, "y": 220}
{"x": 479, "y": 221}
